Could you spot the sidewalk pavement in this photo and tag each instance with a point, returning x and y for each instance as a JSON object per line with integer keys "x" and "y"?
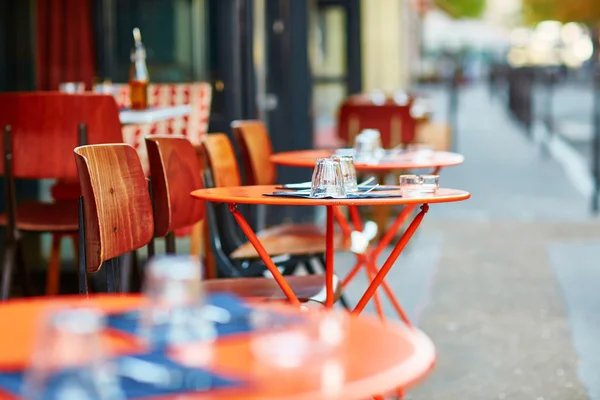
{"x": 502, "y": 283}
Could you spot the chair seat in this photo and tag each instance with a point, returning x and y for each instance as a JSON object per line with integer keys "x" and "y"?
{"x": 306, "y": 287}
{"x": 290, "y": 239}
{"x": 60, "y": 216}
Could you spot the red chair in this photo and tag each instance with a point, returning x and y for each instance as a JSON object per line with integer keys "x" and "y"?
{"x": 394, "y": 121}
{"x": 41, "y": 131}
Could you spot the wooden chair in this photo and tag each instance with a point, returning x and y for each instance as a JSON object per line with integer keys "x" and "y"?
{"x": 116, "y": 215}
{"x": 41, "y": 129}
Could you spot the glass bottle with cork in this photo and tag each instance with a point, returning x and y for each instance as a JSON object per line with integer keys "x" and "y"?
{"x": 138, "y": 74}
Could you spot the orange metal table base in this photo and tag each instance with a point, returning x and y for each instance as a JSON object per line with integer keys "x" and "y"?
{"x": 264, "y": 256}
{"x": 369, "y": 258}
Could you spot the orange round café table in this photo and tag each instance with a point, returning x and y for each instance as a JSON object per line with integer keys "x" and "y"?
{"x": 402, "y": 161}
{"x": 307, "y": 159}
{"x": 374, "y": 356}
{"x": 256, "y": 195}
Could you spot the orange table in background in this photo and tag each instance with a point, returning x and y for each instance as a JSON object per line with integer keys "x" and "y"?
{"x": 255, "y": 195}
{"x": 375, "y": 357}
{"x": 308, "y": 158}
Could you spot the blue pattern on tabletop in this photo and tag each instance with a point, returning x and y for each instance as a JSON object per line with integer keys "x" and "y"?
{"x": 133, "y": 378}
{"x": 239, "y": 323}
{"x": 351, "y": 196}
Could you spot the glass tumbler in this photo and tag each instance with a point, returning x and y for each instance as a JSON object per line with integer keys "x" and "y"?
{"x": 420, "y": 150}
{"x": 68, "y": 359}
{"x": 283, "y": 342}
{"x": 327, "y": 179}
{"x": 367, "y": 146}
{"x": 174, "y": 312}
{"x": 71, "y": 87}
{"x": 348, "y": 172}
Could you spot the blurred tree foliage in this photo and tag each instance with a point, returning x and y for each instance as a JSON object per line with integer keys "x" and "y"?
{"x": 587, "y": 11}
{"x": 463, "y": 8}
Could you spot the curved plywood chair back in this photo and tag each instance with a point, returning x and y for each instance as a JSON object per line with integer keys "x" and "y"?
{"x": 255, "y": 145}
{"x": 117, "y": 208}
{"x": 394, "y": 121}
{"x": 176, "y": 172}
{"x": 45, "y": 126}
{"x": 220, "y": 158}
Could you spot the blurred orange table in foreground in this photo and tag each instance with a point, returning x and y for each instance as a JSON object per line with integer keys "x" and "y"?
{"x": 255, "y": 195}
{"x": 374, "y": 357}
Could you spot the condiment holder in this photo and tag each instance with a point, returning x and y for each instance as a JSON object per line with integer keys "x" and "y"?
{"x": 419, "y": 185}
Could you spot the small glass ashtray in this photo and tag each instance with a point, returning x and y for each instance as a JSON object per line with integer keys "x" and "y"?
{"x": 419, "y": 185}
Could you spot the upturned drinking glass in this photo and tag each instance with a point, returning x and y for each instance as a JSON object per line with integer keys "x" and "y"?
{"x": 327, "y": 179}
{"x": 348, "y": 172}
{"x": 174, "y": 312}
{"x": 68, "y": 359}
{"x": 367, "y": 146}
{"x": 420, "y": 150}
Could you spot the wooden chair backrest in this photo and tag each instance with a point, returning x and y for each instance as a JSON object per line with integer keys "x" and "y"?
{"x": 118, "y": 213}
{"x": 45, "y": 130}
{"x": 255, "y": 145}
{"x": 220, "y": 158}
{"x": 394, "y": 122}
{"x": 175, "y": 172}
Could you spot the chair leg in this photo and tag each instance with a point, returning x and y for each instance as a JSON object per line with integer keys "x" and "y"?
{"x": 53, "y": 271}
{"x": 75, "y": 242}
{"x": 196, "y": 240}
{"x": 23, "y": 270}
{"x": 310, "y": 269}
{"x": 7, "y": 269}
{"x": 136, "y": 273}
{"x": 126, "y": 263}
{"x": 112, "y": 278}
{"x": 343, "y": 301}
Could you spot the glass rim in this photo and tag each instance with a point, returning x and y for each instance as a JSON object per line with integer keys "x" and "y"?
{"x": 77, "y": 320}
{"x": 177, "y": 267}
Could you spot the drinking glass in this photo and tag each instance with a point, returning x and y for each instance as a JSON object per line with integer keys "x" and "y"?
{"x": 348, "y": 172}
{"x": 71, "y": 87}
{"x": 367, "y": 146}
{"x": 401, "y": 97}
{"x": 68, "y": 361}
{"x": 327, "y": 180}
{"x": 430, "y": 183}
{"x": 174, "y": 313}
{"x": 105, "y": 88}
{"x": 420, "y": 150}
{"x": 284, "y": 342}
{"x": 378, "y": 97}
